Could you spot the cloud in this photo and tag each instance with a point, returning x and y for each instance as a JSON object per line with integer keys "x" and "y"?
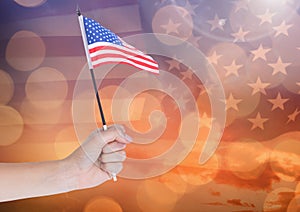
{"x": 215, "y": 203}
{"x": 263, "y": 182}
{"x": 238, "y": 202}
{"x": 215, "y": 193}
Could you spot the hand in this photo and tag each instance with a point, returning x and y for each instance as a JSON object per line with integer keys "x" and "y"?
{"x": 101, "y": 154}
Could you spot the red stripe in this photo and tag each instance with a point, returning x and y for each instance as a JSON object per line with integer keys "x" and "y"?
{"x": 122, "y": 57}
{"x": 99, "y": 48}
{"x": 103, "y": 63}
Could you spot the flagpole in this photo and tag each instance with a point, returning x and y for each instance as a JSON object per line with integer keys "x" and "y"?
{"x": 80, "y": 18}
{"x": 91, "y": 68}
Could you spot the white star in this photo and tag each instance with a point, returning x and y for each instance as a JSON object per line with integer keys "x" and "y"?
{"x": 231, "y": 102}
{"x": 240, "y": 35}
{"x": 232, "y": 69}
{"x": 278, "y": 102}
{"x": 190, "y": 8}
{"x": 171, "y": 27}
{"x": 213, "y": 59}
{"x": 279, "y": 66}
{"x": 293, "y": 116}
{"x": 216, "y": 23}
{"x": 282, "y": 29}
{"x": 266, "y": 17}
{"x": 258, "y": 122}
{"x": 260, "y": 53}
{"x": 258, "y": 86}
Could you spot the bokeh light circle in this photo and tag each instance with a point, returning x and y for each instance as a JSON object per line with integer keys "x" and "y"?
{"x": 149, "y": 200}
{"x": 39, "y": 118}
{"x": 102, "y": 204}
{"x": 172, "y": 20}
{"x": 46, "y": 88}
{"x": 30, "y": 3}
{"x": 65, "y": 142}
{"x": 285, "y": 159}
{"x": 7, "y": 85}
{"x": 25, "y": 51}
{"x": 294, "y": 204}
{"x": 11, "y": 125}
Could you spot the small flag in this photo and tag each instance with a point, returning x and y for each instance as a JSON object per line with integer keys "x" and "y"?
{"x": 106, "y": 47}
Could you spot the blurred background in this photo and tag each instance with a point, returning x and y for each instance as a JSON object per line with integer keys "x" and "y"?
{"x": 254, "y": 47}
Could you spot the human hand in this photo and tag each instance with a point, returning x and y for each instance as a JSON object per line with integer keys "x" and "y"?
{"x": 99, "y": 156}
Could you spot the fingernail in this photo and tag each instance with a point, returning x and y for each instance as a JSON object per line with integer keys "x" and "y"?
{"x": 128, "y": 138}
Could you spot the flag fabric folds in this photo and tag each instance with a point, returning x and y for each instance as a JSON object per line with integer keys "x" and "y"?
{"x": 106, "y": 47}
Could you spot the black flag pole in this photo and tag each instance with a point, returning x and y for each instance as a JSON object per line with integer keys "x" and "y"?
{"x": 91, "y": 68}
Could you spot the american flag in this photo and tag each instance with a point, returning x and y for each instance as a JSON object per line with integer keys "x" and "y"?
{"x": 104, "y": 47}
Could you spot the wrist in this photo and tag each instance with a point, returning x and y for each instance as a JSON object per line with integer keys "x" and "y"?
{"x": 68, "y": 174}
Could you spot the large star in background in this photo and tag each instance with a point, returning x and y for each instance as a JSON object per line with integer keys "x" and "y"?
{"x": 171, "y": 27}
{"x": 293, "y": 116}
{"x": 260, "y": 53}
{"x": 232, "y": 69}
{"x": 217, "y": 23}
{"x": 278, "y": 102}
{"x": 173, "y": 64}
{"x": 279, "y": 66}
{"x": 282, "y": 29}
{"x": 258, "y": 122}
{"x": 266, "y": 17}
{"x": 258, "y": 86}
{"x": 214, "y": 58}
{"x": 232, "y": 102}
{"x": 240, "y": 35}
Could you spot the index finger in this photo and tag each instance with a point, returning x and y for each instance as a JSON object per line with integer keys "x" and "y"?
{"x": 114, "y": 133}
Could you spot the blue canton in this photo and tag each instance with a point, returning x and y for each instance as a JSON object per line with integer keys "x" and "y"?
{"x": 97, "y": 33}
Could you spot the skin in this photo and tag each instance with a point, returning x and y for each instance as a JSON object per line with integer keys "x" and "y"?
{"x": 101, "y": 154}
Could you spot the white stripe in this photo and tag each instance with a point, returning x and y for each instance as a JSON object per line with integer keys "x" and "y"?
{"x": 100, "y": 44}
{"x": 117, "y": 53}
{"x": 104, "y": 60}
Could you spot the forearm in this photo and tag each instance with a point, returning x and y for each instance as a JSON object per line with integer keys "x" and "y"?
{"x": 25, "y": 180}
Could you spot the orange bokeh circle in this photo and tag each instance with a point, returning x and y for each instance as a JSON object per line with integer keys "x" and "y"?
{"x": 11, "y": 125}
{"x": 6, "y": 87}
{"x": 102, "y": 204}
{"x": 46, "y": 88}
{"x": 25, "y": 51}
{"x": 285, "y": 159}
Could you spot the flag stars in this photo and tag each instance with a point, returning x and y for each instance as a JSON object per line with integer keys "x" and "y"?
{"x": 258, "y": 122}
{"x": 258, "y": 86}
{"x": 266, "y": 17}
{"x": 205, "y": 121}
{"x": 282, "y": 29}
{"x": 173, "y": 64}
{"x": 216, "y": 23}
{"x": 188, "y": 74}
{"x": 279, "y": 67}
{"x": 278, "y": 102}
{"x": 260, "y": 53}
{"x": 240, "y": 35}
{"x": 231, "y": 102}
{"x": 292, "y": 117}
{"x": 232, "y": 69}
{"x": 171, "y": 27}
{"x": 213, "y": 58}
